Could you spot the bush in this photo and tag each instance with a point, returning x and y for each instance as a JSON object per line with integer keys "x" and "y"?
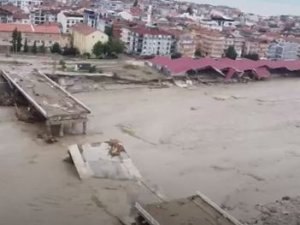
{"x": 70, "y": 51}
{"x": 252, "y": 56}
{"x": 93, "y": 69}
{"x": 86, "y": 55}
{"x": 56, "y": 48}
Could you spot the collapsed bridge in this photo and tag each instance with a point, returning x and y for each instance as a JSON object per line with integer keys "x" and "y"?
{"x": 57, "y": 106}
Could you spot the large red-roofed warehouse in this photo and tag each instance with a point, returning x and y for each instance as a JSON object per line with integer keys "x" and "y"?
{"x": 225, "y": 68}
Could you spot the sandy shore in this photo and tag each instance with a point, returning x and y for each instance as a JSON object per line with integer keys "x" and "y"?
{"x": 238, "y": 144}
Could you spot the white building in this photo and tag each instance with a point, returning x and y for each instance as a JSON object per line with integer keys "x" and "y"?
{"x": 146, "y": 41}
{"x": 40, "y": 16}
{"x": 283, "y": 51}
{"x": 23, "y": 4}
{"x": 68, "y": 19}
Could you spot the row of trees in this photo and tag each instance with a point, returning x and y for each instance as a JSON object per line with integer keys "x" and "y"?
{"x": 16, "y": 44}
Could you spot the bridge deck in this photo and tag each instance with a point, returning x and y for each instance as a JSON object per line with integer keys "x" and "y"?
{"x": 53, "y": 102}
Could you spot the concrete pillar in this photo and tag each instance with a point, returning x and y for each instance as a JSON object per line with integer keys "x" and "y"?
{"x": 48, "y": 128}
{"x": 84, "y": 126}
{"x": 61, "y": 130}
{"x": 73, "y": 127}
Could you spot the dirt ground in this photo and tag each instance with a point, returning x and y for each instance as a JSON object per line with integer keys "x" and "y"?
{"x": 237, "y": 144}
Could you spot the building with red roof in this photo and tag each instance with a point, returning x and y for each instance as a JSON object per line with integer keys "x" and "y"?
{"x": 225, "y": 68}
{"x": 46, "y": 34}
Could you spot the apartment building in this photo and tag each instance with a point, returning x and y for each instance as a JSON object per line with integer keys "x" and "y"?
{"x": 85, "y": 37}
{"x": 185, "y": 43}
{"x": 145, "y": 41}
{"x": 283, "y": 50}
{"x": 12, "y": 14}
{"x": 97, "y": 19}
{"x": 211, "y": 43}
{"x": 67, "y": 19}
{"x": 256, "y": 46}
{"x": 236, "y": 40}
{"x": 23, "y": 4}
{"x": 43, "y": 15}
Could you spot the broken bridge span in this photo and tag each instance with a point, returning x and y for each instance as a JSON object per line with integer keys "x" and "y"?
{"x": 55, "y": 104}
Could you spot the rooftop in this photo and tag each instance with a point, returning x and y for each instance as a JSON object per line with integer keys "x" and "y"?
{"x": 149, "y": 30}
{"x": 185, "y": 64}
{"x": 29, "y": 28}
{"x": 84, "y": 29}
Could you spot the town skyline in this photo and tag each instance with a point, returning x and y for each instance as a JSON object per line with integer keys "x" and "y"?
{"x": 261, "y": 7}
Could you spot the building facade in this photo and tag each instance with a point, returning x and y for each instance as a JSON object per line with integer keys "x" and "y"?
{"x": 212, "y": 44}
{"x": 40, "y": 16}
{"x": 41, "y": 34}
{"x": 67, "y": 19}
{"x": 283, "y": 51}
{"x": 23, "y": 4}
{"x": 146, "y": 41}
{"x": 85, "y": 37}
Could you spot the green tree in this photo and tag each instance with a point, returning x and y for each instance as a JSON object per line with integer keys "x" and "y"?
{"x": 198, "y": 53}
{"x": 14, "y": 38}
{"x": 34, "y": 48}
{"x": 252, "y": 56}
{"x": 231, "y": 52}
{"x": 109, "y": 31}
{"x": 42, "y": 48}
{"x": 26, "y": 48}
{"x": 56, "y": 48}
{"x": 98, "y": 49}
{"x": 19, "y": 41}
{"x": 114, "y": 46}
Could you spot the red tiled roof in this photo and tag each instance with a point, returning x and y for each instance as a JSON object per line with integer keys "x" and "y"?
{"x": 51, "y": 28}
{"x": 28, "y": 28}
{"x": 83, "y": 28}
{"x": 149, "y": 30}
{"x": 260, "y": 68}
{"x": 20, "y": 15}
{"x": 11, "y": 8}
{"x": 136, "y": 11}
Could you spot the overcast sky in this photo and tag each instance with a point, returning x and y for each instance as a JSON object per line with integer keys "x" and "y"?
{"x": 263, "y": 7}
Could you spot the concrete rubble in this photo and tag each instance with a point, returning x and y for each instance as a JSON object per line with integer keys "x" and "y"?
{"x": 103, "y": 160}
{"x": 282, "y": 212}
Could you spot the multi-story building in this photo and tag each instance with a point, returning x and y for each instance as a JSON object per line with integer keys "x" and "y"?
{"x": 283, "y": 50}
{"x": 12, "y": 14}
{"x": 236, "y": 40}
{"x": 96, "y": 19}
{"x": 185, "y": 43}
{"x": 256, "y": 46}
{"x": 67, "y": 19}
{"x": 147, "y": 41}
{"x": 6, "y": 16}
{"x": 43, "y": 15}
{"x": 211, "y": 43}
{"x": 46, "y": 34}
{"x": 23, "y": 4}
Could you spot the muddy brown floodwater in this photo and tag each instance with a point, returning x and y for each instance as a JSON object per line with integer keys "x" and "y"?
{"x": 237, "y": 144}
